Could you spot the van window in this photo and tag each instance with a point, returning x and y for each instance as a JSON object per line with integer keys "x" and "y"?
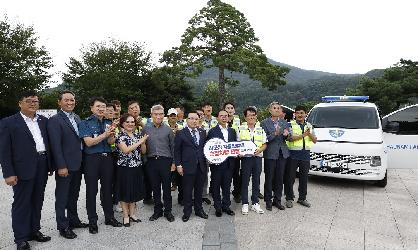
{"x": 349, "y": 117}
{"x": 407, "y": 120}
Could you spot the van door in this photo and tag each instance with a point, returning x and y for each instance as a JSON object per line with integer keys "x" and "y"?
{"x": 400, "y": 134}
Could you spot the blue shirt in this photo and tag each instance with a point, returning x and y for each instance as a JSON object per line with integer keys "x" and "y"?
{"x": 93, "y": 127}
{"x": 301, "y": 155}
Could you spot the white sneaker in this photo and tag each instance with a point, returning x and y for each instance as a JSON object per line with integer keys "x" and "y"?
{"x": 244, "y": 209}
{"x": 256, "y": 208}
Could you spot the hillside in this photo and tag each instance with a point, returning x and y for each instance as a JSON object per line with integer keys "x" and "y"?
{"x": 302, "y": 86}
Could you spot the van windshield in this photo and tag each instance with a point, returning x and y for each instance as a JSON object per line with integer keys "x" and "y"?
{"x": 349, "y": 117}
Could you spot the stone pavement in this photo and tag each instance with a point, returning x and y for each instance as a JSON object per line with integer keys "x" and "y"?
{"x": 344, "y": 215}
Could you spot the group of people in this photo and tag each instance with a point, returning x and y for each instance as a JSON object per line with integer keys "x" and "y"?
{"x": 136, "y": 158}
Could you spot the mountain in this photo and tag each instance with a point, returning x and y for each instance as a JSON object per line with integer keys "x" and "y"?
{"x": 301, "y": 86}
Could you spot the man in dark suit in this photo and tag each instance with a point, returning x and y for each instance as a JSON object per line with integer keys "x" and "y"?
{"x": 24, "y": 158}
{"x": 66, "y": 149}
{"x": 191, "y": 165}
{"x": 222, "y": 173}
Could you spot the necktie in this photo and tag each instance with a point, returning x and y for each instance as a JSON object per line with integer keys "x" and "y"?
{"x": 194, "y": 137}
{"x": 72, "y": 120}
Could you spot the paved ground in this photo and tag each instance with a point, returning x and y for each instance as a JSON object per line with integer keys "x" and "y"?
{"x": 344, "y": 215}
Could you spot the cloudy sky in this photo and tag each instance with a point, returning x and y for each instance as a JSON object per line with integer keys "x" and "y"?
{"x": 339, "y": 36}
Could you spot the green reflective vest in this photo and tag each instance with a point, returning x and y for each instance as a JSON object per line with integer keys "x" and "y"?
{"x": 296, "y": 131}
{"x": 259, "y": 135}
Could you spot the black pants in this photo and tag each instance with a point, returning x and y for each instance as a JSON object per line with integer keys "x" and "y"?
{"x": 236, "y": 178}
{"x": 222, "y": 178}
{"x": 193, "y": 184}
{"x": 99, "y": 167}
{"x": 67, "y": 190}
{"x": 290, "y": 179}
{"x": 159, "y": 171}
{"x": 273, "y": 169}
{"x": 115, "y": 189}
{"x": 250, "y": 167}
{"x": 28, "y": 198}
{"x": 147, "y": 181}
{"x": 180, "y": 188}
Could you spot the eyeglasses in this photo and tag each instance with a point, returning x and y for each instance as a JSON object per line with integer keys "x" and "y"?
{"x": 130, "y": 122}
{"x": 31, "y": 101}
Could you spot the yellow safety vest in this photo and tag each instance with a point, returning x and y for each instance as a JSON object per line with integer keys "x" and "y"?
{"x": 212, "y": 124}
{"x": 296, "y": 130}
{"x": 259, "y": 135}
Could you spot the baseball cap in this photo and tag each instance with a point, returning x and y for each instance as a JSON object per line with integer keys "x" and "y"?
{"x": 172, "y": 111}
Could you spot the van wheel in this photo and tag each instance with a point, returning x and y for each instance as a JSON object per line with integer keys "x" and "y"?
{"x": 384, "y": 181}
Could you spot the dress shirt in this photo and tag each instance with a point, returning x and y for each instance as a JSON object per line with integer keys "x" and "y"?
{"x": 72, "y": 120}
{"x": 35, "y": 131}
{"x": 196, "y": 134}
{"x": 224, "y": 132}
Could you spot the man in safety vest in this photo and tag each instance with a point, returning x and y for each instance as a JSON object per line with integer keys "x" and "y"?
{"x": 209, "y": 121}
{"x": 251, "y": 165}
{"x": 299, "y": 143}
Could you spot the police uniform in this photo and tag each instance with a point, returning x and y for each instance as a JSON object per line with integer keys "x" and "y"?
{"x": 98, "y": 166}
{"x": 251, "y": 166}
{"x": 299, "y": 158}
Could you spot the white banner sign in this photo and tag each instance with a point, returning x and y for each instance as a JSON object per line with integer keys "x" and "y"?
{"x": 47, "y": 112}
{"x": 217, "y": 150}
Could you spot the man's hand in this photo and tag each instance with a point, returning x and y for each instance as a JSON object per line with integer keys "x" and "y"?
{"x": 63, "y": 172}
{"x": 173, "y": 167}
{"x": 180, "y": 170}
{"x": 257, "y": 151}
{"x": 11, "y": 180}
{"x": 285, "y": 132}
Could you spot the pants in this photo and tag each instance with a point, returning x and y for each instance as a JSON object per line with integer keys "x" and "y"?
{"x": 290, "y": 175}
{"x": 221, "y": 175}
{"x": 180, "y": 189}
{"x": 66, "y": 196}
{"x": 115, "y": 193}
{"x": 273, "y": 169}
{"x": 147, "y": 181}
{"x": 193, "y": 184}
{"x": 250, "y": 167}
{"x": 99, "y": 167}
{"x": 236, "y": 178}
{"x": 28, "y": 198}
{"x": 205, "y": 191}
{"x": 159, "y": 173}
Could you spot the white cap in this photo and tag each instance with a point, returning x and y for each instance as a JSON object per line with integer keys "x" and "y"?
{"x": 172, "y": 111}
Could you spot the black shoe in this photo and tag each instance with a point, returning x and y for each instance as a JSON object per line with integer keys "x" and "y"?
{"x": 237, "y": 199}
{"x": 202, "y": 214}
{"x": 135, "y": 220}
{"x": 23, "y": 246}
{"x": 261, "y": 196}
{"x": 279, "y": 206}
{"x": 40, "y": 237}
{"x": 79, "y": 225}
{"x": 207, "y": 201}
{"x": 149, "y": 201}
{"x": 228, "y": 211}
{"x": 113, "y": 222}
{"x": 169, "y": 216}
{"x": 93, "y": 229}
{"x": 218, "y": 213}
{"x": 269, "y": 206}
{"x": 155, "y": 216}
{"x": 68, "y": 234}
{"x": 185, "y": 218}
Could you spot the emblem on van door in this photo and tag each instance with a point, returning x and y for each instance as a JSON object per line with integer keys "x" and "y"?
{"x": 336, "y": 133}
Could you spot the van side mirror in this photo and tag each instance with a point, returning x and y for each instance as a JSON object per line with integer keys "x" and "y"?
{"x": 391, "y": 127}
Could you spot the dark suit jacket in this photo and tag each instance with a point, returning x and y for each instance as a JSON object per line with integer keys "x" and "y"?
{"x": 18, "y": 155}
{"x": 216, "y": 132}
{"x": 275, "y": 143}
{"x": 64, "y": 141}
{"x": 187, "y": 154}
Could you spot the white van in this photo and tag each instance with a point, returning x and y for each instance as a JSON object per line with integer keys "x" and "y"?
{"x": 350, "y": 140}
{"x": 400, "y": 134}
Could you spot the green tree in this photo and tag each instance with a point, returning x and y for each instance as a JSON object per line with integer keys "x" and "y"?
{"x": 124, "y": 71}
{"x": 398, "y": 86}
{"x": 211, "y": 95}
{"x": 220, "y": 36}
{"x": 23, "y": 63}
